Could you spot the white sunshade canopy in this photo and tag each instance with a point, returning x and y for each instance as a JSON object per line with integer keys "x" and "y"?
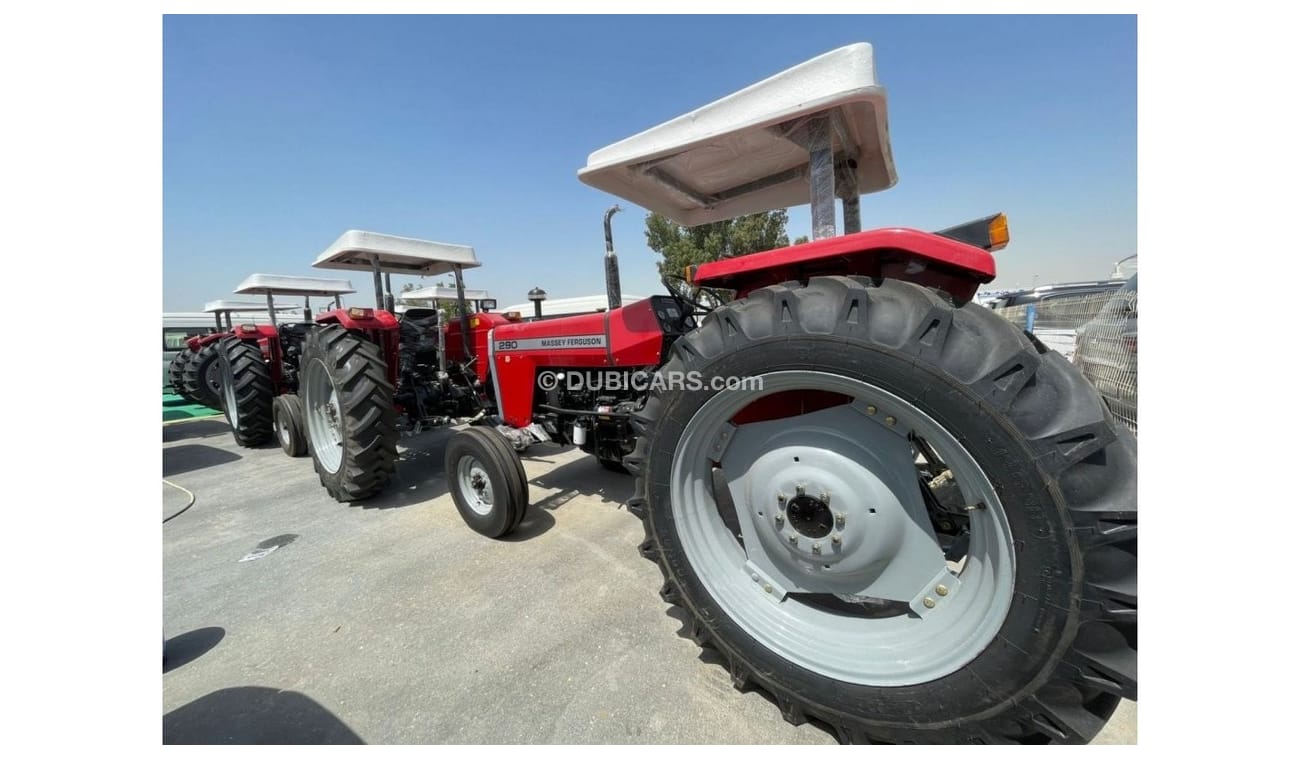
{"x": 442, "y": 293}
{"x": 279, "y": 284}
{"x": 357, "y": 249}
{"x": 746, "y": 153}
{"x": 223, "y": 306}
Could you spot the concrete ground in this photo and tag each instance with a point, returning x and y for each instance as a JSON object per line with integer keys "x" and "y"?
{"x": 293, "y": 618}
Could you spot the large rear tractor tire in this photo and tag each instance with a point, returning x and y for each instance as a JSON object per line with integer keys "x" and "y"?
{"x": 286, "y": 419}
{"x": 925, "y": 533}
{"x": 247, "y": 390}
{"x": 350, "y": 420}
{"x": 176, "y": 374}
{"x": 487, "y": 482}
{"x": 201, "y": 377}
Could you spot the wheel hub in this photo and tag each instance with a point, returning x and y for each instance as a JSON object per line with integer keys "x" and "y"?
{"x": 810, "y": 517}
{"x": 826, "y": 518}
{"x": 474, "y": 484}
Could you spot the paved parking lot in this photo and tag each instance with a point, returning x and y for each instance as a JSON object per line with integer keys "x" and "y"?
{"x": 392, "y": 622}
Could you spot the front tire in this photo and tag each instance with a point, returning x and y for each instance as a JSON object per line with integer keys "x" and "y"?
{"x": 1047, "y": 476}
{"x": 286, "y": 419}
{"x": 247, "y": 389}
{"x": 351, "y": 423}
{"x": 486, "y": 480}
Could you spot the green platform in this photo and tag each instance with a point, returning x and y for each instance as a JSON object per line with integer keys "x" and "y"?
{"x": 177, "y": 408}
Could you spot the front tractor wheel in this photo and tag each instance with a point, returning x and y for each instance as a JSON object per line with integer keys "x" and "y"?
{"x": 923, "y": 527}
{"x": 351, "y": 423}
{"x": 201, "y": 377}
{"x": 247, "y": 390}
{"x": 487, "y": 481}
{"x": 286, "y": 419}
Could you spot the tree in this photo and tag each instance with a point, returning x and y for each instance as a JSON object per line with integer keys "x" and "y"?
{"x": 681, "y": 246}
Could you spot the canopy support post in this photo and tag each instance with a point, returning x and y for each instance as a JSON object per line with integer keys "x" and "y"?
{"x": 822, "y": 177}
{"x": 464, "y": 317}
{"x": 379, "y": 281}
{"x": 270, "y": 308}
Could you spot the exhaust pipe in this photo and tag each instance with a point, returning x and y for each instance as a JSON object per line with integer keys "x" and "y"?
{"x": 613, "y": 290}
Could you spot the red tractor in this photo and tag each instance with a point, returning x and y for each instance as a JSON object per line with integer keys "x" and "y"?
{"x": 195, "y": 371}
{"x": 340, "y": 386}
{"x": 258, "y": 366}
{"x": 879, "y": 502}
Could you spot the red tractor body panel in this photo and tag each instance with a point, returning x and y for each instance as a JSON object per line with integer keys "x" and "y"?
{"x": 379, "y": 325}
{"x": 268, "y": 339}
{"x": 196, "y": 342}
{"x": 626, "y": 337}
{"x": 895, "y": 252}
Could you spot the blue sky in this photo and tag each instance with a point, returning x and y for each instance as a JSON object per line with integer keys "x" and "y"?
{"x": 279, "y": 133}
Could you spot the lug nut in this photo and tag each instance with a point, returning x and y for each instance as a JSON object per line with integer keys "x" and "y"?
{"x": 780, "y": 498}
{"x": 798, "y": 490}
{"x": 825, "y": 497}
{"x": 871, "y": 409}
{"x": 941, "y": 590}
{"x": 779, "y": 520}
{"x": 794, "y": 540}
{"x": 753, "y": 577}
{"x": 835, "y": 539}
{"x": 767, "y": 587}
{"x": 839, "y": 519}
{"x": 890, "y": 421}
{"x": 928, "y": 602}
{"x": 817, "y": 548}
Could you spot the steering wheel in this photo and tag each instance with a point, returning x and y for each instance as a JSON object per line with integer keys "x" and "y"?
{"x": 689, "y": 307}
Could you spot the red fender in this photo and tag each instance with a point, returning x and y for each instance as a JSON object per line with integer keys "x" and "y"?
{"x": 900, "y": 253}
{"x": 379, "y": 325}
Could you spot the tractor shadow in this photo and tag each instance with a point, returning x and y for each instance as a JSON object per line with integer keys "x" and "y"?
{"x": 189, "y": 457}
{"x": 255, "y": 715}
{"x": 190, "y": 646}
{"x": 581, "y": 477}
{"x": 202, "y": 428}
{"x": 419, "y": 475}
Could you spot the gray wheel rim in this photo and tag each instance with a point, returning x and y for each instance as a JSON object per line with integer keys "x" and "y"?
{"x": 852, "y": 455}
{"x": 227, "y": 390}
{"x": 281, "y": 429}
{"x": 475, "y": 485}
{"x": 324, "y": 417}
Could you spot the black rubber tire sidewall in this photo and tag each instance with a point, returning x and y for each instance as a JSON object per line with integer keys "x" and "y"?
{"x": 176, "y": 374}
{"x": 495, "y": 457}
{"x": 286, "y": 415}
{"x": 1036, "y": 629}
{"x": 196, "y": 374}
{"x": 243, "y": 366}
{"x": 357, "y": 373}
{"x": 1064, "y": 469}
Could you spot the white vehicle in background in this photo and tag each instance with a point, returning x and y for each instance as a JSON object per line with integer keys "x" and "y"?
{"x": 563, "y": 307}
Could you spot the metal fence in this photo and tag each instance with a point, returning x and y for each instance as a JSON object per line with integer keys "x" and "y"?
{"x": 1098, "y": 333}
